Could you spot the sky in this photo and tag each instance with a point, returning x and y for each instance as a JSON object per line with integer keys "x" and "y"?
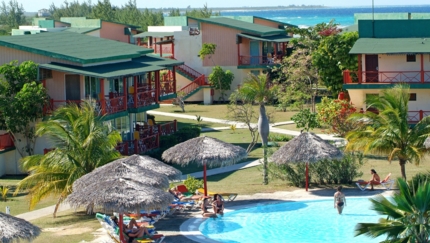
{"x": 34, "y": 6}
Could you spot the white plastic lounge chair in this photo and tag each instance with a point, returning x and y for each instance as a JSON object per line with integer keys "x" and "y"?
{"x": 387, "y": 183}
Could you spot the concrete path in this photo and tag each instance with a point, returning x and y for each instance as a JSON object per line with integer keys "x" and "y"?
{"x": 273, "y": 127}
{"x": 39, "y": 213}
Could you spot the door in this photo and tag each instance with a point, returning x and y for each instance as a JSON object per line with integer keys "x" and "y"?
{"x": 73, "y": 88}
{"x": 371, "y": 69}
{"x": 254, "y": 52}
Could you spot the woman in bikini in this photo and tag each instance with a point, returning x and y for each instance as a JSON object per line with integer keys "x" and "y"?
{"x": 218, "y": 204}
{"x": 204, "y": 206}
{"x": 339, "y": 200}
{"x": 375, "y": 179}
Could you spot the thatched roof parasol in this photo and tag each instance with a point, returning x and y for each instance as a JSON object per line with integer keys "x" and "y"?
{"x": 204, "y": 151}
{"x": 157, "y": 166}
{"x": 121, "y": 195}
{"x": 123, "y": 168}
{"x": 13, "y": 229}
{"x": 307, "y": 147}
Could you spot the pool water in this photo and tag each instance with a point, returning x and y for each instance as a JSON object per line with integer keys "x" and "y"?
{"x": 295, "y": 222}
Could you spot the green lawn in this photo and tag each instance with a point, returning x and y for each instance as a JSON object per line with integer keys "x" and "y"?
{"x": 293, "y": 127}
{"x": 186, "y": 122}
{"x": 19, "y": 204}
{"x": 221, "y": 112}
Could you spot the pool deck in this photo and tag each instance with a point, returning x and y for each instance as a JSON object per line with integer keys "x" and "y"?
{"x": 183, "y": 227}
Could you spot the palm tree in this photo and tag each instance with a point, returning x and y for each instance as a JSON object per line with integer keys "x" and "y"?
{"x": 260, "y": 90}
{"x": 388, "y": 132}
{"x": 82, "y": 142}
{"x": 407, "y": 215}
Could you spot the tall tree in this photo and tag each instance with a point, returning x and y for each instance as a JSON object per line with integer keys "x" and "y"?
{"x": 104, "y": 10}
{"x": 82, "y": 142}
{"x": 129, "y": 13}
{"x": 406, "y": 215}
{"x": 388, "y": 132}
{"x": 259, "y": 89}
{"x": 21, "y": 103}
{"x": 12, "y": 14}
{"x": 332, "y": 57}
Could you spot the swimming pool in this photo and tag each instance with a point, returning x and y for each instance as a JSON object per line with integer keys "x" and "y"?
{"x": 295, "y": 222}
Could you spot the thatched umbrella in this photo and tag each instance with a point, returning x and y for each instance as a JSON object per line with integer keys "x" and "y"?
{"x": 126, "y": 167}
{"x": 13, "y": 229}
{"x": 150, "y": 163}
{"x": 308, "y": 148}
{"x": 123, "y": 185}
{"x": 204, "y": 151}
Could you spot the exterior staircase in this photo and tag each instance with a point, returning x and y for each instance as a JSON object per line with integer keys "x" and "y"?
{"x": 197, "y": 79}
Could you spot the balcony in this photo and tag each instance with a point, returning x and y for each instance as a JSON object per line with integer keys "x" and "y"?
{"x": 146, "y": 138}
{"x": 388, "y": 77}
{"x": 416, "y": 116}
{"x": 259, "y": 60}
{"x": 6, "y": 141}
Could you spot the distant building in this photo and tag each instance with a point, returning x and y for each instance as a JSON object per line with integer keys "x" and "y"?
{"x": 43, "y": 13}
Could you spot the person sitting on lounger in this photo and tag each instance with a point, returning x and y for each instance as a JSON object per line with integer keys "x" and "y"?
{"x": 218, "y": 204}
{"x": 133, "y": 230}
{"x": 374, "y": 180}
{"x": 179, "y": 196}
{"x": 339, "y": 200}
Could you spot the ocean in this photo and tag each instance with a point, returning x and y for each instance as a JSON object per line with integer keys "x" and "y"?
{"x": 310, "y": 17}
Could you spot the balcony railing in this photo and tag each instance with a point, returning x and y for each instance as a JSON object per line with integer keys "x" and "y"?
{"x": 6, "y": 141}
{"x": 351, "y": 77}
{"x": 416, "y": 116}
{"x": 165, "y": 49}
{"x": 259, "y": 60}
{"x": 146, "y": 138}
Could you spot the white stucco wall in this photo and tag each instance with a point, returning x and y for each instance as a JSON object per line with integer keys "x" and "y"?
{"x": 187, "y": 49}
{"x": 166, "y": 28}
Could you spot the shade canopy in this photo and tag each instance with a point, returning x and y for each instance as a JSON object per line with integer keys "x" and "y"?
{"x": 13, "y": 229}
{"x": 307, "y": 147}
{"x": 204, "y": 151}
{"x": 121, "y": 195}
{"x": 150, "y": 163}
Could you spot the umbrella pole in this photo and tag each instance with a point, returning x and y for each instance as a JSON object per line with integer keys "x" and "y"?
{"x": 205, "y": 180}
{"x": 307, "y": 177}
{"x": 121, "y": 228}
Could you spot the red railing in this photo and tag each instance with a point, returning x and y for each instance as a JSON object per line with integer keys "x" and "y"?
{"x": 6, "y": 141}
{"x": 146, "y": 138}
{"x": 188, "y": 70}
{"x": 416, "y": 116}
{"x": 115, "y": 105}
{"x": 386, "y": 77}
{"x": 259, "y": 60}
{"x": 167, "y": 87}
{"x": 145, "y": 98}
{"x": 165, "y": 49}
{"x": 194, "y": 85}
{"x": 55, "y": 104}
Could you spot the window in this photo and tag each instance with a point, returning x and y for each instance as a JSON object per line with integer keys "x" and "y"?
{"x": 413, "y": 97}
{"x": 92, "y": 87}
{"x": 411, "y": 58}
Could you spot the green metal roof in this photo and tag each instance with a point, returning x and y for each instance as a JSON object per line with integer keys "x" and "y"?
{"x": 136, "y": 66}
{"x": 105, "y": 71}
{"x": 391, "y": 46}
{"x": 81, "y": 30}
{"x": 73, "y": 47}
{"x": 246, "y": 27}
{"x": 153, "y": 34}
{"x": 278, "y": 22}
{"x": 273, "y": 38}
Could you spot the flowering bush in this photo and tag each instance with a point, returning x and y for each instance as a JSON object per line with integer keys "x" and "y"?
{"x": 334, "y": 113}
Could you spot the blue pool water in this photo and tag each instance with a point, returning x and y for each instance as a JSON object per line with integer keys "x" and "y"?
{"x": 293, "y": 222}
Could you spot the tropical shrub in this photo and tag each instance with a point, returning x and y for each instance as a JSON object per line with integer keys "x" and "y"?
{"x": 276, "y": 137}
{"x": 334, "y": 113}
{"x": 4, "y": 191}
{"x": 306, "y": 119}
{"x": 193, "y": 184}
{"x": 294, "y": 173}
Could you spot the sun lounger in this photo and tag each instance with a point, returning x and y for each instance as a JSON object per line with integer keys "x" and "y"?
{"x": 184, "y": 190}
{"x": 387, "y": 183}
{"x": 229, "y": 195}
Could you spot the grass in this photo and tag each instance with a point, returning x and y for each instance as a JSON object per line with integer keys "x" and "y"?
{"x": 19, "y": 204}
{"x": 221, "y": 112}
{"x": 182, "y": 122}
{"x": 293, "y": 127}
{"x": 69, "y": 226}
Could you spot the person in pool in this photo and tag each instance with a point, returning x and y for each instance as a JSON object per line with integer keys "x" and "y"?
{"x": 218, "y": 204}
{"x": 339, "y": 200}
{"x": 204, "y": 206}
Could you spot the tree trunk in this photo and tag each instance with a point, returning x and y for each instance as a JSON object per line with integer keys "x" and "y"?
{"x": 60, "y": 200}
{"x": 263, "y": 130}
{"x": 402, "y": 163}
